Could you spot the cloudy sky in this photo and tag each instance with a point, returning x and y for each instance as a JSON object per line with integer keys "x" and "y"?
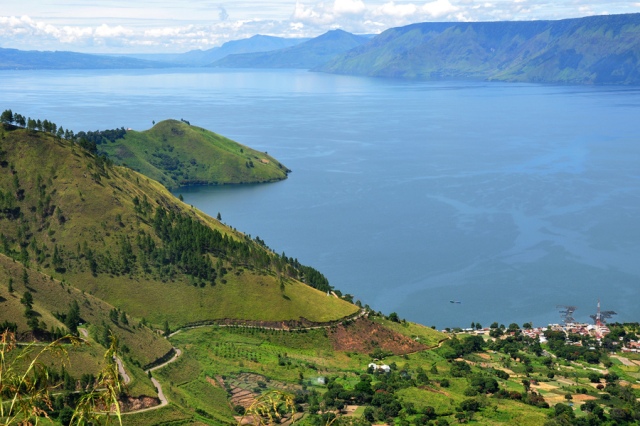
{"x": 151, "y": 26}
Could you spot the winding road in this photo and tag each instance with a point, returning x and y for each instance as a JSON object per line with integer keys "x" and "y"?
{"x": 163, "y": 399}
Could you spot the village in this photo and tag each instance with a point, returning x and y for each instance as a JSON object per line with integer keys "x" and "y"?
{"x": 593, "y": 334}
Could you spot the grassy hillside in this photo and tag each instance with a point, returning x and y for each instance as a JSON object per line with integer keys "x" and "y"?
{"x": 124, "y": 238}
{"x": 176, "y": 154}
{"x": 598, "y": 49}
{"x": 305, "y": 55}
{"x": 474, "y": 379}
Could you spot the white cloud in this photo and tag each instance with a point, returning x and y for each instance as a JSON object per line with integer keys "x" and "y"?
{"x": 161, "y": 25}
{"x": 348, "y": 7}
{"x": 396, "y": 10}
{"x": 439, "y": 8}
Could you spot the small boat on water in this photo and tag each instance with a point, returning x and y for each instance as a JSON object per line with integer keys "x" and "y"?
{"x": 454, "y": 301}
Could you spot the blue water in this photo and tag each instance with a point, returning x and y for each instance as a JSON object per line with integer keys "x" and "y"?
{"x": 512, "y": 198}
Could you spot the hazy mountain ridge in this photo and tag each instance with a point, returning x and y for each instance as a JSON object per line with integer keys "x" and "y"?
{"x": 305, "y": 55}
{"x": 257, "y": 43}
{"x": 14, "y": 59}
{"x": 598, "y": 49}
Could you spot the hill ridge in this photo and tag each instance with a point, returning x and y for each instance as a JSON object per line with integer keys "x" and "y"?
{"x": 591, "y": 50}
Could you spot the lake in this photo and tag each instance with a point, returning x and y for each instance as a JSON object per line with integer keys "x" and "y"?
{"x": 510, "y": 198}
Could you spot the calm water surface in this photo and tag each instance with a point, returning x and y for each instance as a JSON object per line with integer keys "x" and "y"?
{"x": 510, "y": 198}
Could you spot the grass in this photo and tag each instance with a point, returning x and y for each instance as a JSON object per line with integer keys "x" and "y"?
{"x": 169, "y": 415}
{"x": 176, "y": 154}
{"x": 98, "y": 210}
{"x": 51, "y": 295}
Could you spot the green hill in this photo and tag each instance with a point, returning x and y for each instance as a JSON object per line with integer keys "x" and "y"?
{"x": 124, "y": 238}
{"x": 177, "y": 154}
{"x": 85, "y": 243}
{"x": 592, "y": 50}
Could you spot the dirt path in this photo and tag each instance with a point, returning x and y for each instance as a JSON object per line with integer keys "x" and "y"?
{"x": 315, "y": 327}
{"x": 163, "y": 399}
{"x": 122, "y": 371}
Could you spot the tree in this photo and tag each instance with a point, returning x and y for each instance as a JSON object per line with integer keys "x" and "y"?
{"x": 7, "y": 117}
{"x": 10, "y": 285}
{"x": 27, "y": 299}
{"x": 167, "y": 330}
{"x": 394, "y": 317}
{"x": 513, "y": 327}
{"x": 72, "y": 320}
{"x": 123, "y": 318}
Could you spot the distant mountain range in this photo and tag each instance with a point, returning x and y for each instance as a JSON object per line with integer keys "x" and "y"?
{"x": 13, "y": 59}
{"x": 257, "y": 43}
{"x": 310, "y": 54}
{"x": 592, "y": 50}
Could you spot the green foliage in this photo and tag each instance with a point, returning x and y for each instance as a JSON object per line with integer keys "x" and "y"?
{"x": 26, "y": 384}
{"x": 177, "y": 154}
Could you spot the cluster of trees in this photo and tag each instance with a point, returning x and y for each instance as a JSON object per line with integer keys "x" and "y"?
{"x": 455, "y": 348}
{"x": 588, "y": 351}
{"x": 87, "y": 140}
{"x": 11, "y": 118}
{"x": 100, "y": 137}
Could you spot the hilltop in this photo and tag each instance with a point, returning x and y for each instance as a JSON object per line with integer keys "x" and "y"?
{"x": 309, "y": 54}
{"x": 592, "y": 50}
{"x": 176, "y": 153}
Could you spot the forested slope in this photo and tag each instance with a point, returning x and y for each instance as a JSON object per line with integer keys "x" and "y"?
{"x": 124, "y": 238}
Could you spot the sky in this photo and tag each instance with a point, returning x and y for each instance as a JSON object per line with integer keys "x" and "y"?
{"x": 162, "y": 26}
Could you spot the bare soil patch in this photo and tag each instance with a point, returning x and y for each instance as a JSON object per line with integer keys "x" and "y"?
{"x": 364, "y": 335}
{"x": 545, "y": 386}
{"x": 140, "y": 403}
{"x": 350, "y": 410}
{"x": 580, "y": 397}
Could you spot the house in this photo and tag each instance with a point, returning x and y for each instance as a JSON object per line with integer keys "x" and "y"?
{"x": 375, "y": 367}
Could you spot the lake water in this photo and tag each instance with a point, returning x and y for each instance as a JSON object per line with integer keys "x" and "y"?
{"x": 511, "y": 198}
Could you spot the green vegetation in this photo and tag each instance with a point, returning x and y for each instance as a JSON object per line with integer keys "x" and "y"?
{"x": 591, "y": 50}
{"x": 468, "y": 379}
{"x": 123, "y": 238}
{"x": 91, "y": 248}
{"x": 98, "y": 250}
{"x": 178, "y": 154}
{"x": 27, "y": 381}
